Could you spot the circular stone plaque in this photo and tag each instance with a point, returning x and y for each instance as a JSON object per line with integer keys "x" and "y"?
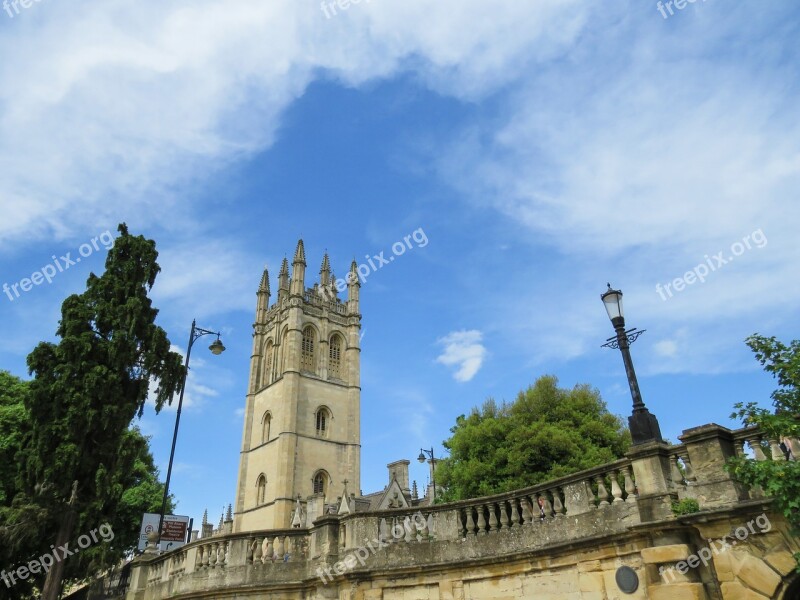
{"x": 627, "y": 580}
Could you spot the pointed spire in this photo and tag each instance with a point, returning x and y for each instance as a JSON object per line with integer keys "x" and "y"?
{"x": 414, "y": 492}
{"x": 229, "y": 514}
{"x": 298, "y": 285}
{"x": 283, "y": 280}
{"x": 263, "y": 287}
{"x": 205, "y": 517}
{"x": 325, "y": 271}
{"x": 299, "y": 253}
{"x": 284, "y": 267}
{"x": 353, "y": 285}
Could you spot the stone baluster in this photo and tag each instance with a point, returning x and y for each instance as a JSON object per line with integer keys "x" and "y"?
{"x": 408, "y": 529}
{"x": 492, "y": 517}
{"x": 425, "y": 531}
{"x": 687, "y": 468}
{"x": 548, "y": 508}
{"x": 514, "y": 513}
{"x": 198, "y": 561}
{"x": 258, "y": 551}
{"x": 630, "y": 487}
{"x": 558, "y": 506}
{"x": 212, "y": 555}
{"x": 777, "y": 453}
{"x": 470, "y": 526}
{"x": 675, "y": 470}
{"x": 758, "y": 452}
{"x": 250, "y": 550}
{"x": 616, "y": 491}
{"x": 527, "y": 516}
{"x": 206, "y": 555}
{"x": 504, "y": 514}
{"x": 280, "y": 547}
{"x": 602, "y": 492}
{"x": 794, "y": 446}
{"x": 222, "y": 557}
{"x": 481, "y": 520}
{"x": 383, "y": 530}
{"x": 269, "y": 552}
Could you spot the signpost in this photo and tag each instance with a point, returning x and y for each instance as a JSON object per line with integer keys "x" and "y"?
{"x": 174, "y": 534}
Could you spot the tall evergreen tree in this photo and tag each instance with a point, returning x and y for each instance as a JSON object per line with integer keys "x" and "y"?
{"x": 89, "y": 386}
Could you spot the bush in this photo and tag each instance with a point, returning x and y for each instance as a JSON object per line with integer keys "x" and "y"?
{"x": 686, "y": 506}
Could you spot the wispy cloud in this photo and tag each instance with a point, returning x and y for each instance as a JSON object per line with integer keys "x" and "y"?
{"x": 464, "y": 351}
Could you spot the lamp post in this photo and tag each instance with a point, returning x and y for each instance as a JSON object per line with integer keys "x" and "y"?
{"x": 421, "y": 458}
{"x": 216, "y": 348}
{"x": 643, "y": 425}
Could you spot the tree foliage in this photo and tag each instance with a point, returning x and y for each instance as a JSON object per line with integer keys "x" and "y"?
{"x": 778, "y": 479}
{"x": 78, "y": 408}
{"x": 546, "y": 432}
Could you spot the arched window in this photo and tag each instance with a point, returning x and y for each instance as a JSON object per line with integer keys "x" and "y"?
{"x": 320, "y": 483}
{"x": 335, "y": 357}
{"x": 268, "y": 355}
{"x": 307, "y": 362}
{"x": 266, "y": 423}
{"x": 322, "y": 418}
{"x": 261, "y": 486}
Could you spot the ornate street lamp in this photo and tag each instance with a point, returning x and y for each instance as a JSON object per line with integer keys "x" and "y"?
{"x": 216, "y": 348}
{"x": 643, "y": 425}
{"x": 421, "y": 458}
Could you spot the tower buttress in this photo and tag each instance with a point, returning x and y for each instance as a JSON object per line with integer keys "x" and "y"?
{"x": 263, "y": 294}
{"x": 353, "y": 286}
{"x": 283, "y": 280}
{"x": 298, "y": 284}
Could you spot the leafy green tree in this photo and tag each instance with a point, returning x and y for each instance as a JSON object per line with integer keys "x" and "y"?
{"x": 27, "y": 530}
{"x": 87, "y": 389}
{"x": 546, "y": 432}
{"x": 778, "y": 479}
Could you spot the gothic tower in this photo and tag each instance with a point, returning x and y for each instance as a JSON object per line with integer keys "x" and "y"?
{"x": 302, "y": 419}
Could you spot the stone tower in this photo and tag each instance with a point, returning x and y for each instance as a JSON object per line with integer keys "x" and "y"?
{"x": 302, "y": 419}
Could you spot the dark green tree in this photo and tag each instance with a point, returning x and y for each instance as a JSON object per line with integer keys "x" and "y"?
{"x": 88, "y": 387}
{"x": 779, "y": 479}
{"x": 27, "y": 530}
{"x": 546, "y": 432}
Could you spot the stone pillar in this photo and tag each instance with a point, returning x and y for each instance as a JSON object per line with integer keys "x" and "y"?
{"x": 651, "y": 468}
{"x": 710, "y": 447}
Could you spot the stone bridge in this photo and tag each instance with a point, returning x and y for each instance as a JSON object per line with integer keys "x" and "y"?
{"x": 606, "y": 533}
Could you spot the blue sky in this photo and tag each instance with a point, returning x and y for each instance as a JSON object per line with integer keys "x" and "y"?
{"x": 544, "y": 148}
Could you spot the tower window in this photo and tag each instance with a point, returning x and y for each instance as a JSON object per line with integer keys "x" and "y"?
{"x": 307, "y": 350}
{"x": 261, "y": 487}
{"x": 269, "y": 352}
{"x": 335, "y": 357}
{"x": 323, "y": 418}
{"x": 320, "y": 483}
{"x": 266, "y": 423}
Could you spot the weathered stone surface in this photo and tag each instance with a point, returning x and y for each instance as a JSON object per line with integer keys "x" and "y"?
{"x": 677, "y": 591}
{"x": 782, "y": 561}
{"x": 733, "y": 590}
{"x": 591, "y": 582}
{"x": 665, "y": 554}
{"x": 758, "y": 576}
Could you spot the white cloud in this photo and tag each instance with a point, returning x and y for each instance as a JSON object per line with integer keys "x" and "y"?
{"x": 463, "y": 350}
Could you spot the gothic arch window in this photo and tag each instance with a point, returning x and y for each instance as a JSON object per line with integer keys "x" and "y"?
{"x": 335, "y": 356}
{"x": 307, "y": 362}
{"x": 320, "y": 483}
{"x": 266, "y": 424}
{"x": 261, "y": 490}
{"x": 322, "y": 421}
{"x": 284, "y": 350}
{"x": 269, "y": 352}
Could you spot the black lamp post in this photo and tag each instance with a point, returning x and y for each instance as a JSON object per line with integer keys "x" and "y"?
{"x": 643, "y": 425}
{"x": 216, "y": 348}
{"x": 421, "y": 458}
